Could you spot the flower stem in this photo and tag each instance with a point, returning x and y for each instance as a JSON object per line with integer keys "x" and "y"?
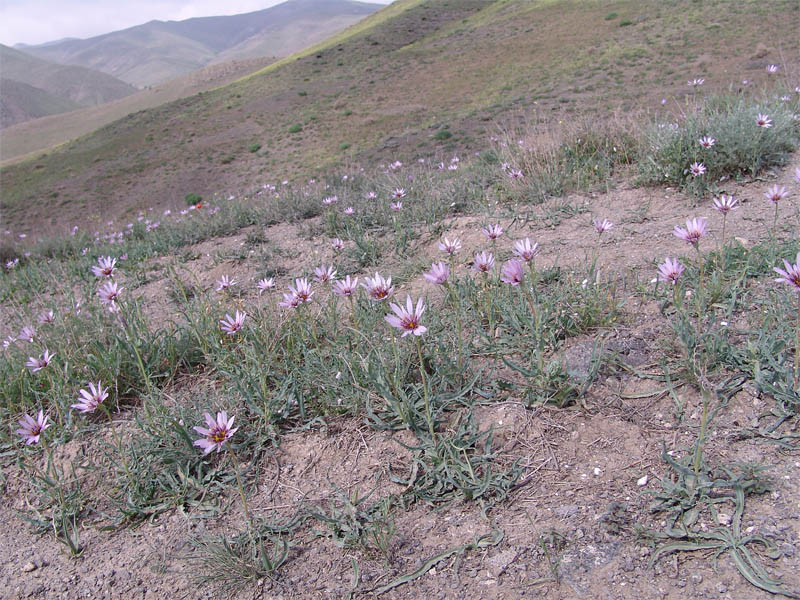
{"x": 425, "y": 388}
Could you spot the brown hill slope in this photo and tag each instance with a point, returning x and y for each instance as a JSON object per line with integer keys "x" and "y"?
{"x": 416, "y": 78}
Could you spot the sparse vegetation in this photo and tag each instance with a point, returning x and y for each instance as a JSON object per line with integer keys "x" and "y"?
{"x": 571, "y": 350}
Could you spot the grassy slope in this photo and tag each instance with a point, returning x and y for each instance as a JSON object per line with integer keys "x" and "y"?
{"x": 386, "y": 87}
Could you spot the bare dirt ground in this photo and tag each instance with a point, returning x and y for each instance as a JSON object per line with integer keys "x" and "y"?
{"x": 567, "y": 531}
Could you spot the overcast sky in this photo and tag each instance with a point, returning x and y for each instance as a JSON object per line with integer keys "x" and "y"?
{"x": 39, "y": 21}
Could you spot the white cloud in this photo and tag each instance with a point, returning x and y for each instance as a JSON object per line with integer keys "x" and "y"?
{"x": 39, "y": 21}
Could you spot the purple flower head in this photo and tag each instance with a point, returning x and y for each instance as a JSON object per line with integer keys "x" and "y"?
{"x": 697, "y": 169}
{"x": 407, "y": 319}
{"x": 324, "y": 273}
{"x": 695, "y": 229}
{"x": 438, "y": 274}
{"x": 450, "y": 246}
{"x": 707, "y": 141}
{"x": 47, "y": 317}
{"x": 223, "y": 283}
{"x": 346, "y": 286}
{"x": 492, "y": 231}
{"x": 602, "y": 226}
{"x": 330, "y": 200}
{"x": 30, "y": 428}
{"x": 216, "y": 433}
{"x": 670, "y": 271}
{"x": 484, "y": 262}
{"x": 349, "y": 210}
{"x": 724, "y": 204}
{"x": 266, "y": 284}
{"x": 791, "y": 275}
{"x": 772, "y": 69}
{"x": 105, "y": 267}
{"x": 232, "y": 325}
{"x": 27, "y": 334}
{"x": 526, "y": 250}
{"x": 775, "y": 194}
{"x": 109, "y": 295}
{"x": 89, "y": 401}
{"x": 337, "y": 244}
{"x": 37, "y": 364}
{"x": 764, "y": 121}
{"x": 378, "y": 288}
{"x": 398, "y": 193}
{"x": 396, "y": 206}
{"x": 512, "y": 272}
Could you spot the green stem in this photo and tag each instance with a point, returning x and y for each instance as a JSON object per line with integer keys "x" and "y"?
{"x": 241, "y": 488}
{"x": 797, "y": 348}
{"x": 698, "y": 453}
{"x": 425, "y": 388}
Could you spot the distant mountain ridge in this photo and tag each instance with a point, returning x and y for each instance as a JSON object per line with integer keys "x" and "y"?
{"x": 32, "y": 87}
{"x": 158, "y": 51}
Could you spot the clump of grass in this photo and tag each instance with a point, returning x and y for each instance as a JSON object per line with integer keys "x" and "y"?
{"x": 741, "y": 147}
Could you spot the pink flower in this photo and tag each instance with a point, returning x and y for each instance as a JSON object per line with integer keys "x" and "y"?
{"x": 217, "y": 433}
{"x": 512, "y": 272}
{"x": 396, "y": 206}
{"x": 724, "y": 204}
{"x": 337, "y": 244}
{"x": 775, "y": 194}
{"x": 450, "y": 246}
{"x": 697, "y": 82}
{"x": 37, "y": 364}
{"x": 695, "y": 229}
{"x": 266, "y": 284}
{"x": 398, "y": 193}
{"x": 492, "y": 231}
{"x": 109, "y": 294}
{"x": 302, "y": 289}
{"x": 670, "y": 271}
{"x": 330, "y": 200}
{"x": 378, "y": 288}
{"x": 408, "y": 318}
{"x": 89, "y": 401}
{"x": 371, "y": 196}
{"x": 323, "y": 274}
{"x": 515, "y": 174}
{"x": 47, "y": 317}
{"x": 223, "y": 283}
{"x": 526, "y": 250}
{"x": 602, "y": 226}
{"x": 438, "y": 274}
{"x": 772, "y": 69}
{"x": 30, "y": 428}
{"x": 763, "y": 121}
{"x": 707, "y": 141}
{"x": 27, "y": 334}
{"x": 484, "y": 262}
{"x": 349, "y": 210}
{"x": 290, "y": 301}
{"x": 346, "y": 287}
{"x": 105, "y": 267}
{"x": 791, "y": 275}
{"x": 232, "y": 325}
{"x": 697, "y": 169}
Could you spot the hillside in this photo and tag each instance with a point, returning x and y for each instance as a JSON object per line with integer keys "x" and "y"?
{"x": 21, "y": 102}
{"x": 416, "y": 78}
{"x": 57, "y": 88}
{"x": 43, "y": 133}
{"x": 158, "y": 51}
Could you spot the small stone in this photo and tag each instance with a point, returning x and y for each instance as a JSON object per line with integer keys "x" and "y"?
{"x": 697, "y": 579}
{"x": 722, "y": 588}
{"x": 28, "y": 567}
{"x": 644, "y": 552}
{"x": 723, "y": 519}
{"x": 642, "y": 481}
